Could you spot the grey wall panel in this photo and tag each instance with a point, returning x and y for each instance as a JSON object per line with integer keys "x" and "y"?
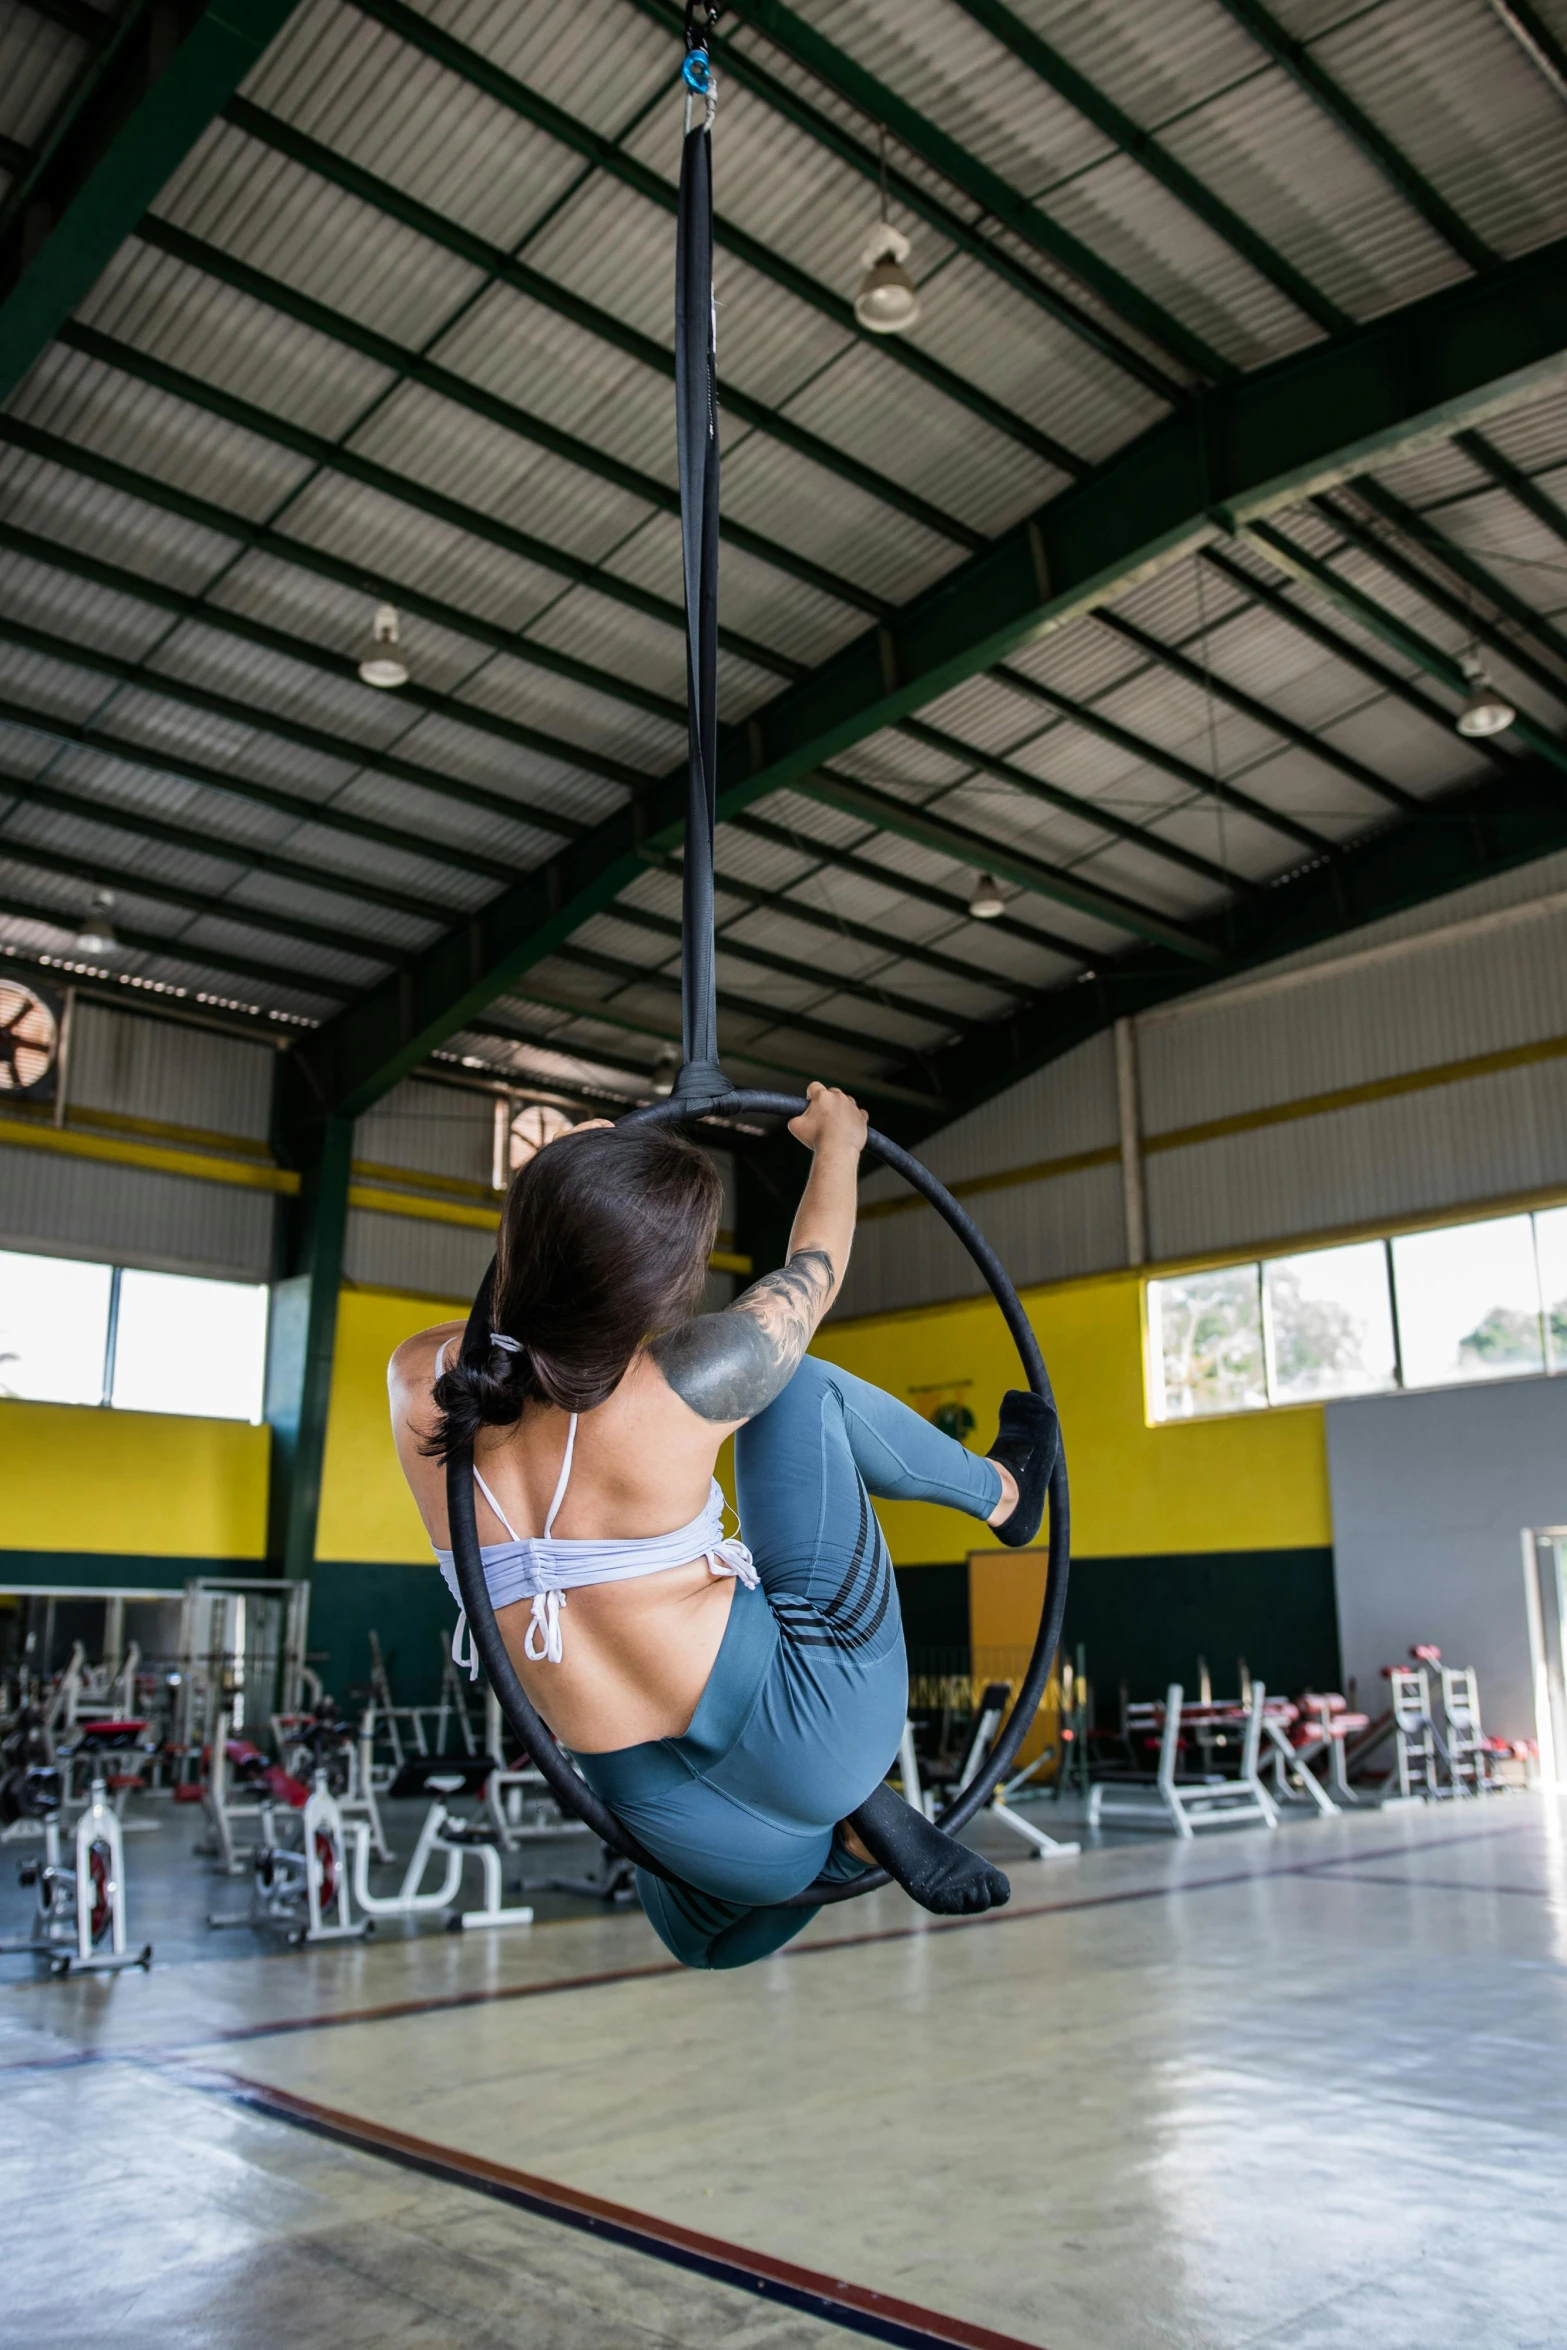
{"x": 1410, "y": 1154}
{"x": 1481, "y": 993}
{"x": 1043, "y": 1232}
{"x": 438, "y": 1129}
{"x": 407, "y": 1252}
{"x": 149, "y": 1068}
{"x": 1431, "y": 1494}
{"x": 130, "y": 1216}
{"x": 1057, "y": 1112}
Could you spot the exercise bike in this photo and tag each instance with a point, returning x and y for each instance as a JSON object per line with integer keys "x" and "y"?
{"x": 439, "y": 1776}
{"x": 301, "y": 1888}
{"x": 79, "y": 1910}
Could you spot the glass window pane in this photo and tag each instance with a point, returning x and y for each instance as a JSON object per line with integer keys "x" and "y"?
{"x": 1468, "y": 1303}
{"x": 54, "y": 1322}
{"x": 1329, "y": 1323}
{"x": 1205, "y": 1343}
{"x": 185, "y": 1345}
{"x": 1550, "y": 1237}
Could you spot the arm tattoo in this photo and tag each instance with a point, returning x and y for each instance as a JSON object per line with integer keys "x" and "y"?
{"x": 729, "y": 1366}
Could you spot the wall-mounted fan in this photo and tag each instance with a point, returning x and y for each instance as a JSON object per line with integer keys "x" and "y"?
{"x": 29, "y": 1041}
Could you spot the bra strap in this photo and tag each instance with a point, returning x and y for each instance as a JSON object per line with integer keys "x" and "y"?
{"x": 564, "y": 1480}
{"x": 496, "y": 1507}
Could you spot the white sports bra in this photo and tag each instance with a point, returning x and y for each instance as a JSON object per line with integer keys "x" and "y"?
{"x": 544, "y": 1567}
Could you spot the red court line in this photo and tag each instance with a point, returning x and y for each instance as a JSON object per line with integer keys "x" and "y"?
{"x": 859, "y": 2307}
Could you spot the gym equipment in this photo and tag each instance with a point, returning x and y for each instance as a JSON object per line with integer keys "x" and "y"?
{"x": 238, "y": 1764}
{"x": 439, "y": 1776}
{"x": 302, "y": 1888}
{"x": 1472, "y": 1756}
{"x": 1187, "y": 1805}
{"x": 1321, "y": 1732}
{"x": 701, "y": 1090}
{"x": 79, "y": 1911}
{"x": 989, "y": 1715}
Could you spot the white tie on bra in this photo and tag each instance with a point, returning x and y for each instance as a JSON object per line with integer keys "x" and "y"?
{"x": 573, "y": 1563}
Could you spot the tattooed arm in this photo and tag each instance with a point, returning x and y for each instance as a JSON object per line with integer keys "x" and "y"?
{"x": 729, "y": 1366}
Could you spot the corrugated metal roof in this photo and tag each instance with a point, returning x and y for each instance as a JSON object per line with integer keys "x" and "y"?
{"x": 1440, "y": 76}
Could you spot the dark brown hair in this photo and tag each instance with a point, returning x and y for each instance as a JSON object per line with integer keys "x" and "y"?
{"x": 604, "y": 1242}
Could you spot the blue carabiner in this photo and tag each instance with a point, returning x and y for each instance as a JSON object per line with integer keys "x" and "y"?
{"x": 696, "y": 73}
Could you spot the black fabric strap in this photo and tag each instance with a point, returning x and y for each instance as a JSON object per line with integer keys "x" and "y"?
{"x": 696, "y": 410}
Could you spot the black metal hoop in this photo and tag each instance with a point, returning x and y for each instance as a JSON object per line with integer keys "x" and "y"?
{"x": 567, "y": 1785}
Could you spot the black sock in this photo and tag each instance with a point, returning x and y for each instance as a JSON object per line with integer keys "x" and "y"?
{"x": 1026, "y": 1443}
{"x": 940, "y": 1873}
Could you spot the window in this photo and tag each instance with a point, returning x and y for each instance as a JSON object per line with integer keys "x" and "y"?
{"x": 1425, "y": 1309}
{"x": 1205, "y": 1343}
{"x": 54, "y": 1327}
{"x": 1328, "y": 1324}
{"x": 1469, "y": 1303}
{"x": 1550, "y": 1240}
{"x": 151, "y": 1342}
{"x": 184, "y": 1345}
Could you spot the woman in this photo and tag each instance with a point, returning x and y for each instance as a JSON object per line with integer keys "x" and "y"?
{"x": 738, "y": 1708}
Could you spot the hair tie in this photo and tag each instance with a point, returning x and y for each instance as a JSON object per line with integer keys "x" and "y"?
{"x": 511, "y": 1346}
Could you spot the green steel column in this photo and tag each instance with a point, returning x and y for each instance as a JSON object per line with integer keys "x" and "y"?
{"x": 300, "y": 1349}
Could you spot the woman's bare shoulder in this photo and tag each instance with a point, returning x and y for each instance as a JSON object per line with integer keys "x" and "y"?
{"x": 411, "y": 1371}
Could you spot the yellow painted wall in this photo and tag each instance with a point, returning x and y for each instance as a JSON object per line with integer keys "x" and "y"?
{"x": 146, "y": 1483}
{"x": 366, "y": 1509}
{"x": 1258, "y": 1481}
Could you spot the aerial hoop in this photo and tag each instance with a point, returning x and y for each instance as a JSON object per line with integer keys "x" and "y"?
{"x": 702, "y": 1091}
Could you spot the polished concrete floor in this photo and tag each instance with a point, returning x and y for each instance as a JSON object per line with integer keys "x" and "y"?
{"x": 1289, "y": 2090}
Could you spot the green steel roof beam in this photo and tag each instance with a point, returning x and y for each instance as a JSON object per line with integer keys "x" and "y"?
{"x": 219, "y": 265}
{"x": 1092, "y": 812}
{"x": 94, "y": 736}
{"x": 1456, "y": 559}
{"x": 112, "y": 816}
{"x": 469, "y": 66}
{"x": 917, "y": 197}
{"x": 289, "y": 730}
{"x": 1519, "y": 485}
{"x": 1297, "y": 61}
{"x": 195, "y": 901}
{"x": 744, "y": 1007}
{"x": 528, "y": 991}
{"x": 89, "y": 24}
{"x": 165, "y": 74}
{"x": 224, "y": 622}
{"x": 891, "y": 949}
{"x": 550, "y": 294}
{"x": 1235, "y": 453}
{"x": 988, "y": 855}
{"x": 1545, "y": 49}
{"x": 819, "y": 976}
{"x": 1138, "y": 746}
{"x": 548, "y": 1041}
{"x": 1467, "y": 835}
{"x": 1181, "y": 665}
{"x": 1007, "y": 27}
{"x": 664, "y": 495}
{"x": 879, "y": 103}
{"x": 924, "y": 893}
{"x": 1307, "y": 622}
{"x": 179, "y": 950}
{"x": 1300, "y": 563}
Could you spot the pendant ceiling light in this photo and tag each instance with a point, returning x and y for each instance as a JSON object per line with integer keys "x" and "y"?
{"x": 1487, "y": 710}
{"x": 987, "y": 903}
{"x": 97, "y": 935}
{"x": 383, "y": 664}
{"x": 887, "y": 303}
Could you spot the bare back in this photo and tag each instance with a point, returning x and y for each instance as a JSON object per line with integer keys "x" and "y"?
{"x": 638, "y": 1654}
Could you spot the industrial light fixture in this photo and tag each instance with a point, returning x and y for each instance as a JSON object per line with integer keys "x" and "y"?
{"x": 383, "y": 664}
{"x": 987, "y": 902}
{"x": 97, "y": 934}
{"x": 886, "y": 303}
{"x": 666, "y": 1068}
{"x": 1487, "y": 710}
